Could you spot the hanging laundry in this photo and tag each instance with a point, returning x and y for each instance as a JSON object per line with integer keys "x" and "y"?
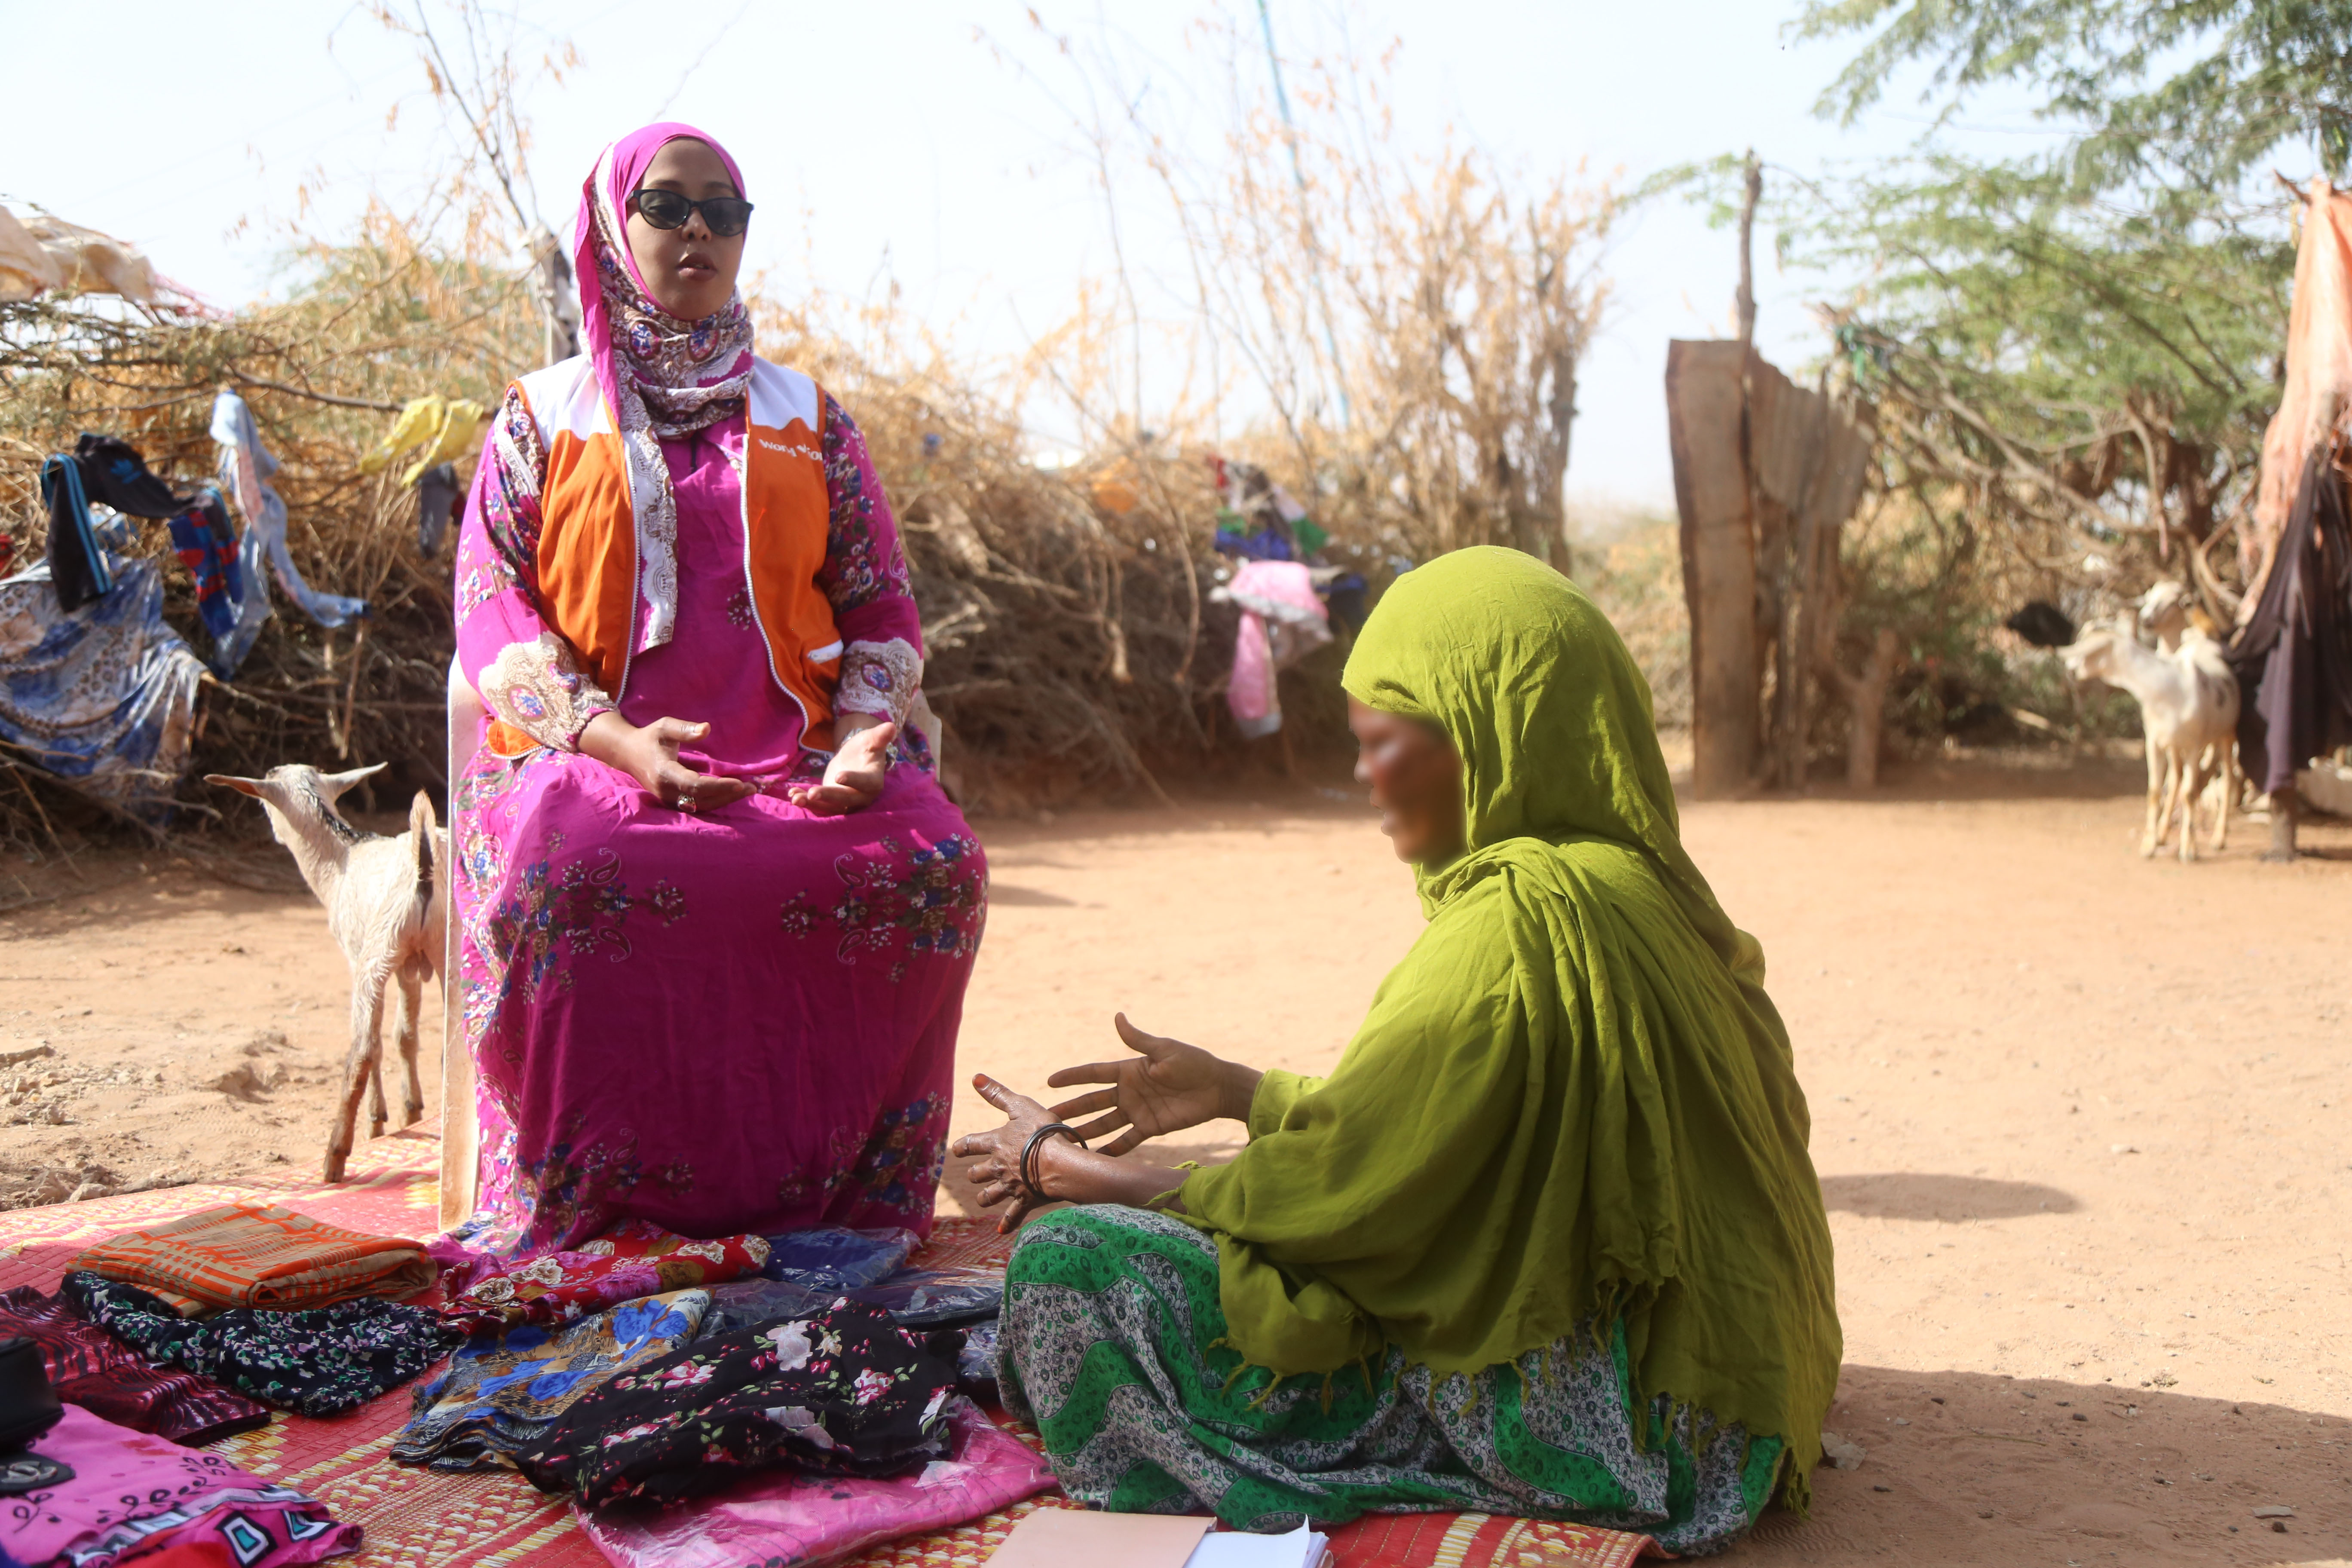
{"x": 137, "y": 1498}
{"x": 26, "y": 269}
{"x": 317, "y": 1362}
{"x": 438, "y": 491}
{"x": 246, "y": 466}
{"x": 1282, "y": 622}
{"x": 205, "y": 542}
{"x": 1260, "y": 519}
{"x": 446, "y": 428}
{"x": 89, "y": 262}
{"x": 252, "y": 1253}
{"x": 103, "y": 696}
{"x": 112, "y": 471}
{"x": 78, "y": 568}
{"x": 91, "y": 1368}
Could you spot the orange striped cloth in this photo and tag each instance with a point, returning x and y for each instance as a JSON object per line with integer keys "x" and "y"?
{"x": 254, "y": 1254}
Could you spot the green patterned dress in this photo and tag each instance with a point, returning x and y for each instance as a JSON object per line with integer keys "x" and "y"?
{"x": 1113, "y": 1346}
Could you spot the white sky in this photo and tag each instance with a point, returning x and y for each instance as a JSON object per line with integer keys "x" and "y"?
{"x": 895, "y": 141}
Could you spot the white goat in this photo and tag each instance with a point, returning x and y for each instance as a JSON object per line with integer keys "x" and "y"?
{"x": 387, "y": 907}
{"x": 2168, "y": 612}
{"x": 2188, "y": 710}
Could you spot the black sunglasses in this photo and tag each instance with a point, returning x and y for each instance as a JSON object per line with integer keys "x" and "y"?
{"x": 725, "y": 216}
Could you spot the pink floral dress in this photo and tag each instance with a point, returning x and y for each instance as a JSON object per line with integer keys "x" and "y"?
{"x": 742, "y": 1020}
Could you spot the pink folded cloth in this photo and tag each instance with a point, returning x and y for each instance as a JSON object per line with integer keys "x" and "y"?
{"x": 134, "y": 1495}
{"x": 785, "y": 1517}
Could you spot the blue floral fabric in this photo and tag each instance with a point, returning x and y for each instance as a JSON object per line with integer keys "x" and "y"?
{"x": 505, "y": 1389}
{"x": 103, "y": 696}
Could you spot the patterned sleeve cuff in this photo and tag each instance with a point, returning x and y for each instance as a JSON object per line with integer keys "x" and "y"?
{"x": 540, "y": 688}
{"x": 879, "y": 678}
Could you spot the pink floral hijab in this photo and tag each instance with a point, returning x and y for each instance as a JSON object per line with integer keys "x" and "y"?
{"x": 661, "y": 377}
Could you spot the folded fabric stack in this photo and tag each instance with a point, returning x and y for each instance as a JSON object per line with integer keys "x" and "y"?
{"x": 846, "y": 1392}
{"x": 838, "y": 1257}
{"x": 506, "y": 1388}
{"x": 317, "y": 1362}
{"x": 257, "y": 1255}
{"x": 135, "y": 1498}
{"x": 91, "y": 1368}
{"x": 915, "y": 1298}
{"x": 635, "y": 1258}
{"x": 783, "y": 1516}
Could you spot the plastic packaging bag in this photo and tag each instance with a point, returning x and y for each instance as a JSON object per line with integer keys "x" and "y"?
{"x": 915, "y": 1298}
{"x": 833, "y": 1256}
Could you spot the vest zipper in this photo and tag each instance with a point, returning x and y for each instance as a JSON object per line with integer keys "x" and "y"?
{"x": 750, "y": 592}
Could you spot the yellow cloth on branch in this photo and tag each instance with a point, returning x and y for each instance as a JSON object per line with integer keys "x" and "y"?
{"x": 446, "y": 428}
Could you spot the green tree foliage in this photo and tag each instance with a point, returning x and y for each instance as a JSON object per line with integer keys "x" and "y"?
{"x": 2187, "y": 95}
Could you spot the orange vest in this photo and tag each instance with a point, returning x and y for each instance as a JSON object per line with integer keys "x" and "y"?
{"x": 588, "y": 556}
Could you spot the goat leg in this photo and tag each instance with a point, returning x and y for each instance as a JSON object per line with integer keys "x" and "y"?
{"x": 411, "y": 989}
{"x": 377, "y": 1115}
{"x": 2229, "y": 750}
{"x": 2190, "y": 784}
{"x": 367, "y": 1047}
{"x": 2157, "y": 761}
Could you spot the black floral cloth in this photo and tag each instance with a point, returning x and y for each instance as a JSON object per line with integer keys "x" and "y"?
{"x": 846, "y": 1392}
{"x": 315, "y": 1362}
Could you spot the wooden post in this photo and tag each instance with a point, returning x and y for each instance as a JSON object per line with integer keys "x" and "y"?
{"x": 1744, "y": 302}
{"x": 1719, "y": 549}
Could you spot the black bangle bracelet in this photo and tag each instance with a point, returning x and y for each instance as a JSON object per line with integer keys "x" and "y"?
{"x": 1029, "y": 1157}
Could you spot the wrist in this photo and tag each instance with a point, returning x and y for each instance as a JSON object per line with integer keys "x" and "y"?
{"x": 1057, "y": 1165}
{"x": 1239, "y": 1090}
{"x": 605, "y": 736}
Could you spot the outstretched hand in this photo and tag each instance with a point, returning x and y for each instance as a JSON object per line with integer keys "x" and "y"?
{"x": 1165, "y": 1088}
{"x": 996, "y": 1155}
{"x": 650, "y": 756}
{"x": 853, "y": 778}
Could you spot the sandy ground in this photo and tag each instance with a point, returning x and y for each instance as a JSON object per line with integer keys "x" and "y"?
{"x": 2079, "y": 1117}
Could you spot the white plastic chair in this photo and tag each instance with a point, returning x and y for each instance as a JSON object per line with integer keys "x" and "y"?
{"x": 460, "y": 1127}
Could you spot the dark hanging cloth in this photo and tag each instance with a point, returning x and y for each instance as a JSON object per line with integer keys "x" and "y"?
{"x": 206, "y": 544}
{"x": 2294, "y": 657}
{"x": 91, "y": 1368}
{"x": 114, "y": 471}
{"x": 846, "y": 1392}
{"x": 437, "y": 491}
{"x": 78, "y": 568}
{"x": 316, "y": 1362}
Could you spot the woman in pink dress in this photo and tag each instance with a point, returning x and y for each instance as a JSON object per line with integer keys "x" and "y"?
{"x": 717, "y": 915}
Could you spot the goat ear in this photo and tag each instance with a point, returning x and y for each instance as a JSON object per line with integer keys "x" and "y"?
{"x": 242, "y": 787}
{"x": 338, "y": 783}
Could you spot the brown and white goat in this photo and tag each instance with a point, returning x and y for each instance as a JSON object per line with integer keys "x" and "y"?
{"x": 387, "y": 908}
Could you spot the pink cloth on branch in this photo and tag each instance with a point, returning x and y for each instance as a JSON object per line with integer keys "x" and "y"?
{"x": 784, "y": 1517}
{"x": 1282, "y": 619}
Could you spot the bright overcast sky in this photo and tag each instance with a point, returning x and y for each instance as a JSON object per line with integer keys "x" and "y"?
{"x": 895, "y": 140}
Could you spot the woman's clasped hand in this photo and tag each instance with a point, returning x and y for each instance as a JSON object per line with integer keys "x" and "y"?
{"x": 1038, "y": 1158}
{"x": 853, "y": 775}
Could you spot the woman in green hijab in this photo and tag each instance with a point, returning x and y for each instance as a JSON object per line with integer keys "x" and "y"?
{"x": 1546, "y": 1242}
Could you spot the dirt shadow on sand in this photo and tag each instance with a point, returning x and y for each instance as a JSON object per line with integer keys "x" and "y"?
{"x": 1918, "y": 1194}
{"x": 1967, "y": 1467}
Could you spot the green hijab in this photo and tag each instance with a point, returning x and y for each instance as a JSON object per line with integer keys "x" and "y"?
{"x": 1573, "y": 1101}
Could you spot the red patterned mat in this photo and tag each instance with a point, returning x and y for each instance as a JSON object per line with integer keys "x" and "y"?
{"x": 424, "y": 1519}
